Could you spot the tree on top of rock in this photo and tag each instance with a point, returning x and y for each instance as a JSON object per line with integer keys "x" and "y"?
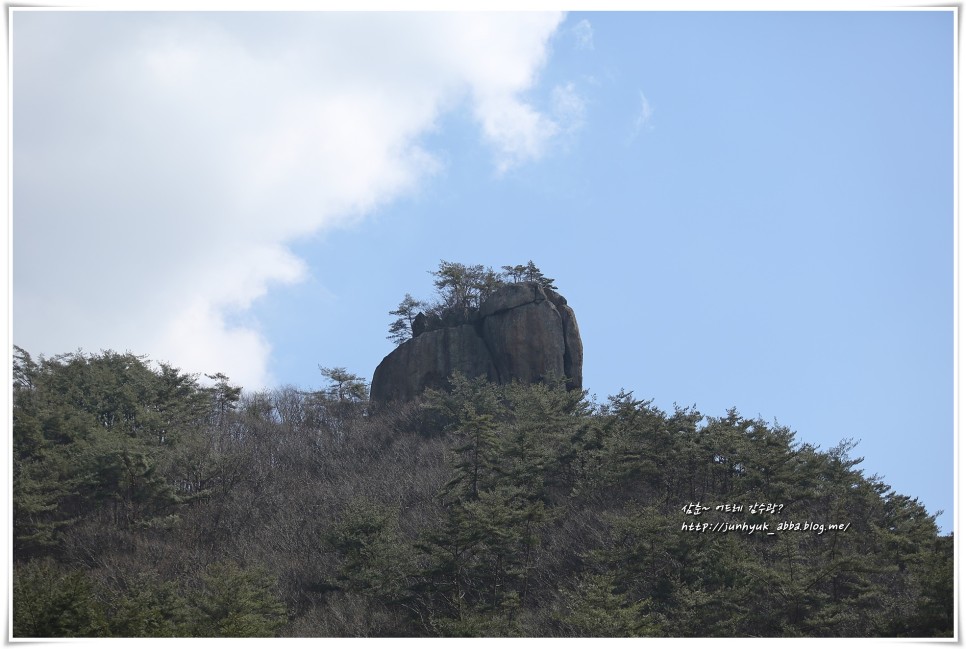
{"x": 528, "y": 273}
{"x": 460, "y": 287}
{"x": 401, "y": 328}
{"x": 460, "y": 291}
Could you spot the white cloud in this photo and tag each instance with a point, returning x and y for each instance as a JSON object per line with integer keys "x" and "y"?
{"x": 568, "y": 107}
{"x": 163, "y": 162}
{"x": 584, "y": 34}
{"x": 518, "y": 131}
{"x": 643, "y": 119}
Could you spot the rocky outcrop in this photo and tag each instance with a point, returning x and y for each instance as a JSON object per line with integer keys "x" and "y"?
{"x": 427, "y": 360}
{"x": 522, "y": 332}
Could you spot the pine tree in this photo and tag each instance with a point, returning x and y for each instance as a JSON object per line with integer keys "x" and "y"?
{"x": 50, "y": 601}
{"x": 401, "y": 328}
{"x": 234, "y": 602}
{"x": 374, "y": 557}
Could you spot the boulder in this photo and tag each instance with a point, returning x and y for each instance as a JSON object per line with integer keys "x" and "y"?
{"x": 428, "y": 360}
{"x": 522, "y": 332}
{"x": 526, "y": 342}
{"x": 511, "y": 296}
{"x": 573, "y": 345}
{"x": 420, "y": 324}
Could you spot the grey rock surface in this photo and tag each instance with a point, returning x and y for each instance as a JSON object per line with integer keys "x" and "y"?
{"x": 522, "y": 332}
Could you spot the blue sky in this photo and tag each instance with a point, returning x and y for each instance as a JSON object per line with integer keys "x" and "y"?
{"x": 744, "y": 209}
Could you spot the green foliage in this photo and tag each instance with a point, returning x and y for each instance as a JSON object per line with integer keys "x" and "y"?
{"x": 344, "y": 386}
{"x": 460, "y": 288}
{"x": 50, "y": 601}
{"x": 596, "y": 608}
{"x": 150, "y": 608}
{"x": 236, "y": 603}
{"x": 527, "y": 273}
{"x": 509, "y": 443}
{"x": 401, "y": 328}
{"x": 460, "y": 291}
{"x": 37, "y": 494}
{"x": 119, "y": 478}
{"x": 148, "y": 505}
{"x": 92, "y": 438}
{"x": 933, "y": 614}
{"x": 375, "y": 559}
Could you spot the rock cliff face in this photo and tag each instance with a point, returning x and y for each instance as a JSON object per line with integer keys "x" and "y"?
{"x": 522, "y": 332}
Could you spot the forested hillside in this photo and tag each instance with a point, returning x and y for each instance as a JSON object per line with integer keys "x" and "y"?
{"x": 149, "y": 502}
